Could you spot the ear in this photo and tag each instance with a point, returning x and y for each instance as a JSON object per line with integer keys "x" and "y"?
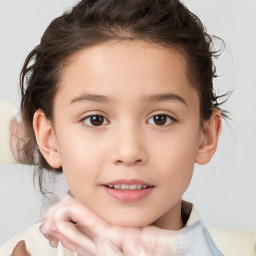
{"x": 210, "y": 137}
{"x": 46, "y": 139}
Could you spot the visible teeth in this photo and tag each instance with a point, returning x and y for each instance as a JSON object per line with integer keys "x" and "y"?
{"x": 124, "y": 186}
{"x": 132, "y": 187}
{"x": 127, "y": 187}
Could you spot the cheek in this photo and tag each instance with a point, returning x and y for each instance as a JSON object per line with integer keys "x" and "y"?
{"x": 176, "y": 166}
{"x": 174, "y": 158}
{"x": 81, "y": 160}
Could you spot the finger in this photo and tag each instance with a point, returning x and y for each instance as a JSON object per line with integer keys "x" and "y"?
{"x": 70, "y": 209}
{"x": 76, "y": 241}
{"x": 78, "y": 213}
{"x": 74, "y": 238}
{"x": 73, "y": 241}
{"x": 54, "y": 242}
{"x": 90, "y": 223}
{"x": 51, "y": 236}
{"x": 20, "y": 249}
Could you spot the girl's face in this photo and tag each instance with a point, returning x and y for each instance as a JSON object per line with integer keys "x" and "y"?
{"x": 127, "y": 116}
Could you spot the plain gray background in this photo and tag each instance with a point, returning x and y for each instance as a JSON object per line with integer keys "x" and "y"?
{"x": 224, "y": 190}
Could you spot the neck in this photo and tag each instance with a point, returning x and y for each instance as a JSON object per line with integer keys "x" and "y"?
{"x": 172, "y": 220}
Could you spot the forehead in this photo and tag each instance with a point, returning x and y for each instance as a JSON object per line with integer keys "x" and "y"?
{"x": 141, "y": 66}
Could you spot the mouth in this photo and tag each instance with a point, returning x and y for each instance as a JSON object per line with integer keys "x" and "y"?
{"x": 128, "y": 187}
{"x": 128, "y": 191}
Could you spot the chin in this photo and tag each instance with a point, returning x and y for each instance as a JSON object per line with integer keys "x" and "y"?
{"x": 128, "y": 221}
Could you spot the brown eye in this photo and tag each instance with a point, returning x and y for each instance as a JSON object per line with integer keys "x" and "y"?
{"x": 95, "y": 120}
{"x": 160, "y": 120}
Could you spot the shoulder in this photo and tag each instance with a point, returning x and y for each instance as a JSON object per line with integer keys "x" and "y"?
{"x": 229, "y": 242}
{"x": 235, "y": 243}
{"x": 36, "y": 244}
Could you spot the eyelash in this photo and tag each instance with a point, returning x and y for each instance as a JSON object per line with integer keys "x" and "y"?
{"x": 105, "y": 121}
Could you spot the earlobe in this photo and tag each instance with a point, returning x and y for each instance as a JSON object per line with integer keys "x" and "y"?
{"x": 210, "y": 137}
{"x": 46, "y": 139}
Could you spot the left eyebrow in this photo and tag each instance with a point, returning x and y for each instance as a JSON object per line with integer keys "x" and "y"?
{"x": 164, "y": 97}
{"x": 91, "y": 98}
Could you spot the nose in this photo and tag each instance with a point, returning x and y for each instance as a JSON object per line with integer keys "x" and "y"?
{"x": 128, "y": 148}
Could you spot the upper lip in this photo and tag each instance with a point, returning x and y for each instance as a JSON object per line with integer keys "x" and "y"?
{"x": 129, "y": 182}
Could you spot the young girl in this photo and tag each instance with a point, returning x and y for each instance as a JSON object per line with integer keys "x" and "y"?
{"x": 119, "y": 97}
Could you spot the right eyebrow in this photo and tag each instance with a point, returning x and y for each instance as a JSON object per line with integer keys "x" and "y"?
{"x": 91, "y": 98}
{"x": 164, "y": 97}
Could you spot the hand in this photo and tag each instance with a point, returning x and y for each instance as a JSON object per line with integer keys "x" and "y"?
{"x": 82, "y": 231}
{"x": 20, "y": 249}
{"x": 17, "y": 140}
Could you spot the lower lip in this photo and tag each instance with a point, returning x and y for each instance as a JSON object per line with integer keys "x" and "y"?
{"x": 127, "y": 195}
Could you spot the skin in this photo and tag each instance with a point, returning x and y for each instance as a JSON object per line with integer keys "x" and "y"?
{"x": 129, "y": 144}
{"x": 20, "y": 249}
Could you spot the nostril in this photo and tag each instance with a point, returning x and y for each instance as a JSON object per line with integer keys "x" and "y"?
{"x": 129, "y": 162}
